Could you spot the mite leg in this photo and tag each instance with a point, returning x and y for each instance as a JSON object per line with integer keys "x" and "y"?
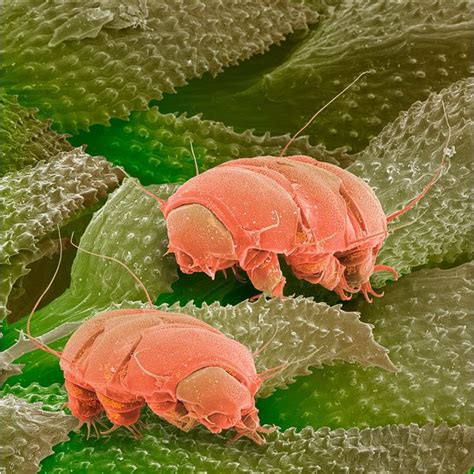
{"x": 359, "y": 266}
{"x": 83, "y": 403}
{"x": 325, "y": 270}
{"x": 121, "y": 413}
{"x": 174, "y": 413}
{"x": 263, "y": 269}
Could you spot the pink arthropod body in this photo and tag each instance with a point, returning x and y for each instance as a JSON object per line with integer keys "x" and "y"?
{"x": 186, "y": 371}
{"x": 326, "y": 222}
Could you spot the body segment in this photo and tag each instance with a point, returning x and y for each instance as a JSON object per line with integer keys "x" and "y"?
{"x": 327, "y": 223}
{"x": 186, "y": 371}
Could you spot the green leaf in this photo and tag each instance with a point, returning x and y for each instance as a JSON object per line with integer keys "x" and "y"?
{"x": 294, "y": 331}
{"x": 400, "y": 162}
{"x": 91, "y": 62}
{"x": 163, "y": 448}
{"x": 424, "y": 321}
{"x": 415, "y": 47}
{"x": 35, "y": 200}
{"x": 156, "y": 148}
{"x": 25, "y": 140}
{"x": 131, "y": 228}
{"x": 28, "y": 434}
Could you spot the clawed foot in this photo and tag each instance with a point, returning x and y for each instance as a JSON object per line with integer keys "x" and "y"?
{"x": 254, "y": 298}
{"x": 133, "y": 429}
{"x": 237, "y": 275}
{"x": 89, "y": 423}
{"x": 94, "y": 422}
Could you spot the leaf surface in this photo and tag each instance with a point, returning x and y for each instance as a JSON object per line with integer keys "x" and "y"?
{"x": 394, "y": 448}
{"x": 28, "y": 433}
{"x": 400, "y": 162}
{"x": 414, "y": 47}
{"x": 92, "y": 62}
{"x": 25, "y": 140}
{"x": 37, "y": 199}
{"x": 424, "y": 320}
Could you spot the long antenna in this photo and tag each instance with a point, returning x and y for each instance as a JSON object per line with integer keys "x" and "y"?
{"x": 136, "y": 183}
{"x": 292, "y": 139}
{"x": 36, "y": 342}
{"x": 113, "y": 259}
{"x": 194, "y": 157}
{"x": 447, "y": 152}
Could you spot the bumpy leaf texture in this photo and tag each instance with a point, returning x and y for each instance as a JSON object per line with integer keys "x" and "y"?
{"x": 295, "y": 331}
{"x": 96, "y": 60}
{"x": 400, "y": 162}
{"x": 424, "y": 320}
{"x": 28, "y": 434}
{"x": 156, "y": 148}
{"x": 130, "y": 228}
{"x": 25, "y": 140}
{"x": 414, "y": 47}
{"x": 395, "y": 448}
{"x": 37, "y": 199}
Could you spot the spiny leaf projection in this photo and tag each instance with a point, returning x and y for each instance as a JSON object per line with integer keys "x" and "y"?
{"x": 95, "y": 60}
{"x": 414, "y": 47}
{"x": 35, "y": 200}
{"x": 25, "y": 140}
{"x": 131, "y": 228}
{"x": 297, "y": 331}
{"x": 28, "y": 434}
{"x": 394, "y": 448}
{"x": 424, "y": 321}
{"x": 399, "y": 163}
{"x": 156, "y": 148}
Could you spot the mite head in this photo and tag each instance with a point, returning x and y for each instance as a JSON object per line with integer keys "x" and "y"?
{"x": 199, "y": 240}
{"x": 219, "y": 401}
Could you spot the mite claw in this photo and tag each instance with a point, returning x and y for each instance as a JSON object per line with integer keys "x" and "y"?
{"x": 101, "y": 423}
{"x": 111, "y": 430}
{"x": 94, "y": 425}
{"x": 255, "y": 297}
{"x": 134, "y": 431}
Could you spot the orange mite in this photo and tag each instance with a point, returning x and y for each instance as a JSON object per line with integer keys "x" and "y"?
{"x": 186, "y": 371}
{"x": 326, "y": 222}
